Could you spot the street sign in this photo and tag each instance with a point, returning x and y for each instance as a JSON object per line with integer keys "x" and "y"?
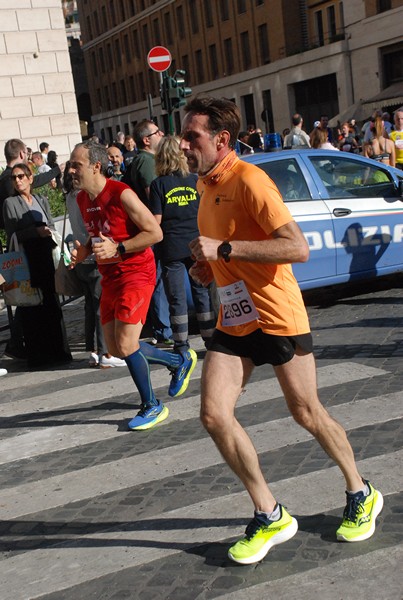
{"x": 159, "y": 59}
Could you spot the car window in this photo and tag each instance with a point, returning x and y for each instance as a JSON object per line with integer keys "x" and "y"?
{"x": 350, "y": 178}
{"x": 288, "y": 177}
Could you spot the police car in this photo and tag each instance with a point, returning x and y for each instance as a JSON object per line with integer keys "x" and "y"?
{"x": 349, "y": 208}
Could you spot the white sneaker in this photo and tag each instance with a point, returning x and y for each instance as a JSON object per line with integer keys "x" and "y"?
{"x": 93, "y": 360}
{"x": 3, "y": 372}
{"x": 112, "y": 361}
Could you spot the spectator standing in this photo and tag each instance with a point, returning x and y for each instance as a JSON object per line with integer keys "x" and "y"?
{"x": 44, "y": 149}
{"x": 120, "y": 237}
{"x": 243, "y": 138}
{"x": 52, "y": 164}
{"x": 130, "y": 150}
{"x": 29, "y": 217}
{"x": 139, "y": 176}
{"x": 386, "y": 123}
{"x": 319, "y": 140}
{"x": 119, "y": 141}
{"x": 347, "y": 141}
{"x": 15, "y": 151}
{"x": 378, "y": 147}
{"x": 39, "y": 162}
{"x": 297, "y": 136}
{"x": 397, "y": 137}
{"x": 116, "y": 159}
{"x": 323, "y": 125}
{"x": 174, "y": 202}
{"x": 247, "y": 244}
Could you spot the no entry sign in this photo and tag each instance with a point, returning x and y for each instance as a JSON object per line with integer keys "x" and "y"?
{"x": 159, "y": 59}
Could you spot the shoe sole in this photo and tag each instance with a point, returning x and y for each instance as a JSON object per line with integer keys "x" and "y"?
{"x": 280, "y": 538}
{"x": 158, "y": 419}
{"x": 111, "y": 366}
{"x": 375, "y": 511}
{"x": 187, "y": 378}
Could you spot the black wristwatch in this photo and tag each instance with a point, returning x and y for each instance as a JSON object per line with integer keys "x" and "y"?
{"x": 225, "y": 250}
{"x": 121, "y": 248}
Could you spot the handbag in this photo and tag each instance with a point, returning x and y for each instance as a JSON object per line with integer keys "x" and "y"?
{"x": 17, "y": 289}
{"x": 66, "y": 281}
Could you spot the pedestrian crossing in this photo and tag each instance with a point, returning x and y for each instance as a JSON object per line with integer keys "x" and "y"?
{"x": 151, "y": 514}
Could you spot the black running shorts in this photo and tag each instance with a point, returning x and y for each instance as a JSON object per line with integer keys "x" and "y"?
{"x": 261, "y": 348}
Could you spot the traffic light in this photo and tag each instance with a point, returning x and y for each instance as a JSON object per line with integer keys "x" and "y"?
{"x": 178, "y": 90}
{"x": 174, "y": 91}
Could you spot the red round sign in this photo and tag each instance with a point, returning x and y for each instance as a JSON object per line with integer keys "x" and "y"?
{"x": 159, "y": 59}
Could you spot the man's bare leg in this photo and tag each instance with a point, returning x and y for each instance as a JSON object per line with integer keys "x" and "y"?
{"x": 298, "y": 382}
{"x": 222, "y": 381}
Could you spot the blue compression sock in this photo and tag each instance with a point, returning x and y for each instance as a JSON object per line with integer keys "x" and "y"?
{"x": 155, "y": 356}
{"x": 140, "y": 372}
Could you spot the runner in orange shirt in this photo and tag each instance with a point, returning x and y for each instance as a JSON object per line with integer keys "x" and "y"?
{"x": 248, "y": 240}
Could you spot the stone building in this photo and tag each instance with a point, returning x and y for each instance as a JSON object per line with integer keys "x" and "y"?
{"x": 273, "y": 57}
{"x": 37, "y": 98}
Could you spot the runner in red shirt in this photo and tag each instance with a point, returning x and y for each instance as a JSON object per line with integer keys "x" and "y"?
{"x": 121, "y": 232}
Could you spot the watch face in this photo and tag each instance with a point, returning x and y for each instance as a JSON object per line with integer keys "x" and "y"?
{"x": 225, "y": 250}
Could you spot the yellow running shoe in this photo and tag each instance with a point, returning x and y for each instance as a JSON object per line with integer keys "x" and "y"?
{"x": 360, "y": 515}
{"x": 261, "y": 535}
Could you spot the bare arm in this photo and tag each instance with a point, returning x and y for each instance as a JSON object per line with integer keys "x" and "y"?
{"x": 287, "y": 245}
{"x": 149, "y": 234}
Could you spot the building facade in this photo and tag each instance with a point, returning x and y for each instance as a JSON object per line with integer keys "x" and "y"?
{"x": 37, "y": 99}
{"x": 273, "y": 57}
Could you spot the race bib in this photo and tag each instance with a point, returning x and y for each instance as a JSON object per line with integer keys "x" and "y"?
{"x": 237, "y": 305}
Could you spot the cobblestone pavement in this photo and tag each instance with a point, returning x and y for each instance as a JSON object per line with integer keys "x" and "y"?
{"x": 90, "y": 510}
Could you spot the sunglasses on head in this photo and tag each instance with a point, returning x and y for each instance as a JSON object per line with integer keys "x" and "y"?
{"x": 19, "y": 176}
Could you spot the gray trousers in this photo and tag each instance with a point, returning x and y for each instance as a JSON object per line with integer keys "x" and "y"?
{"x": 90, "y": 278}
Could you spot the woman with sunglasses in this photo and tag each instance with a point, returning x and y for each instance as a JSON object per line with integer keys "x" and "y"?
{"x": 29, "y": 217}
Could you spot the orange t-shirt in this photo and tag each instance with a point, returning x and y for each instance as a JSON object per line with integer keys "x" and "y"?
{"x": 238, "y": 201}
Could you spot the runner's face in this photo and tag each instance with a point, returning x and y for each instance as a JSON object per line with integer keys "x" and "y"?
{"x": 198, "y": 144}
{"x": 81, "y": 169}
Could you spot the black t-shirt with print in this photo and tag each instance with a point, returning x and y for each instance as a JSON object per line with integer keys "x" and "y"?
{"x": 175, "y": 198}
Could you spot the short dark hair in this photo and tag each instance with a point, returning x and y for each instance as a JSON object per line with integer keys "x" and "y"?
{"x": 141, "y": 130}
{"x": 222, "y": 114}
{"x": 12, "y": 149}
{"x": 96, "y": 153}
{"x": 43, "y": 146}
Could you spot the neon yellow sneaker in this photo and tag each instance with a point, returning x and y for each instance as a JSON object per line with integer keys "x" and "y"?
{"x": 360, "y": 515}
{"x": 261, "y": 535}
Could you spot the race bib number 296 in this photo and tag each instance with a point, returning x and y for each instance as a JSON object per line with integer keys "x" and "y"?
{"x": 237, "y": 305}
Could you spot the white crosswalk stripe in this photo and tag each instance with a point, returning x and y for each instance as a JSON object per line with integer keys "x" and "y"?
{"x": 84, "y": 558}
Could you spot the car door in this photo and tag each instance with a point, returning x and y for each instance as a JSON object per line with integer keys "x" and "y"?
{"x": 301, "y": 195}
{"x": 367, "y": 214}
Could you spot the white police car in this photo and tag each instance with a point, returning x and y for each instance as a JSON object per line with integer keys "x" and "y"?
{"x": 349, "y": 208}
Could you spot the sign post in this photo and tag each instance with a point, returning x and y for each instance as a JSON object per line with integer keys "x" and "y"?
{"x": 159, "y": 59}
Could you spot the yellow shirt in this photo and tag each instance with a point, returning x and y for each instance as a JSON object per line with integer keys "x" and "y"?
{"x": 397, "y": 138}
{"x": 240, "y": 202}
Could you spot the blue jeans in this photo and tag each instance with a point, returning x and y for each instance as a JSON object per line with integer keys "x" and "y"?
{"x": 174, "y": 280}
{"x": 159, "y": 311}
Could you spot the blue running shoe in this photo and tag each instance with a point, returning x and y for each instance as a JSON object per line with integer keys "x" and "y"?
{"x": 181, "y": 375}
{"x": 148, "y": 416}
